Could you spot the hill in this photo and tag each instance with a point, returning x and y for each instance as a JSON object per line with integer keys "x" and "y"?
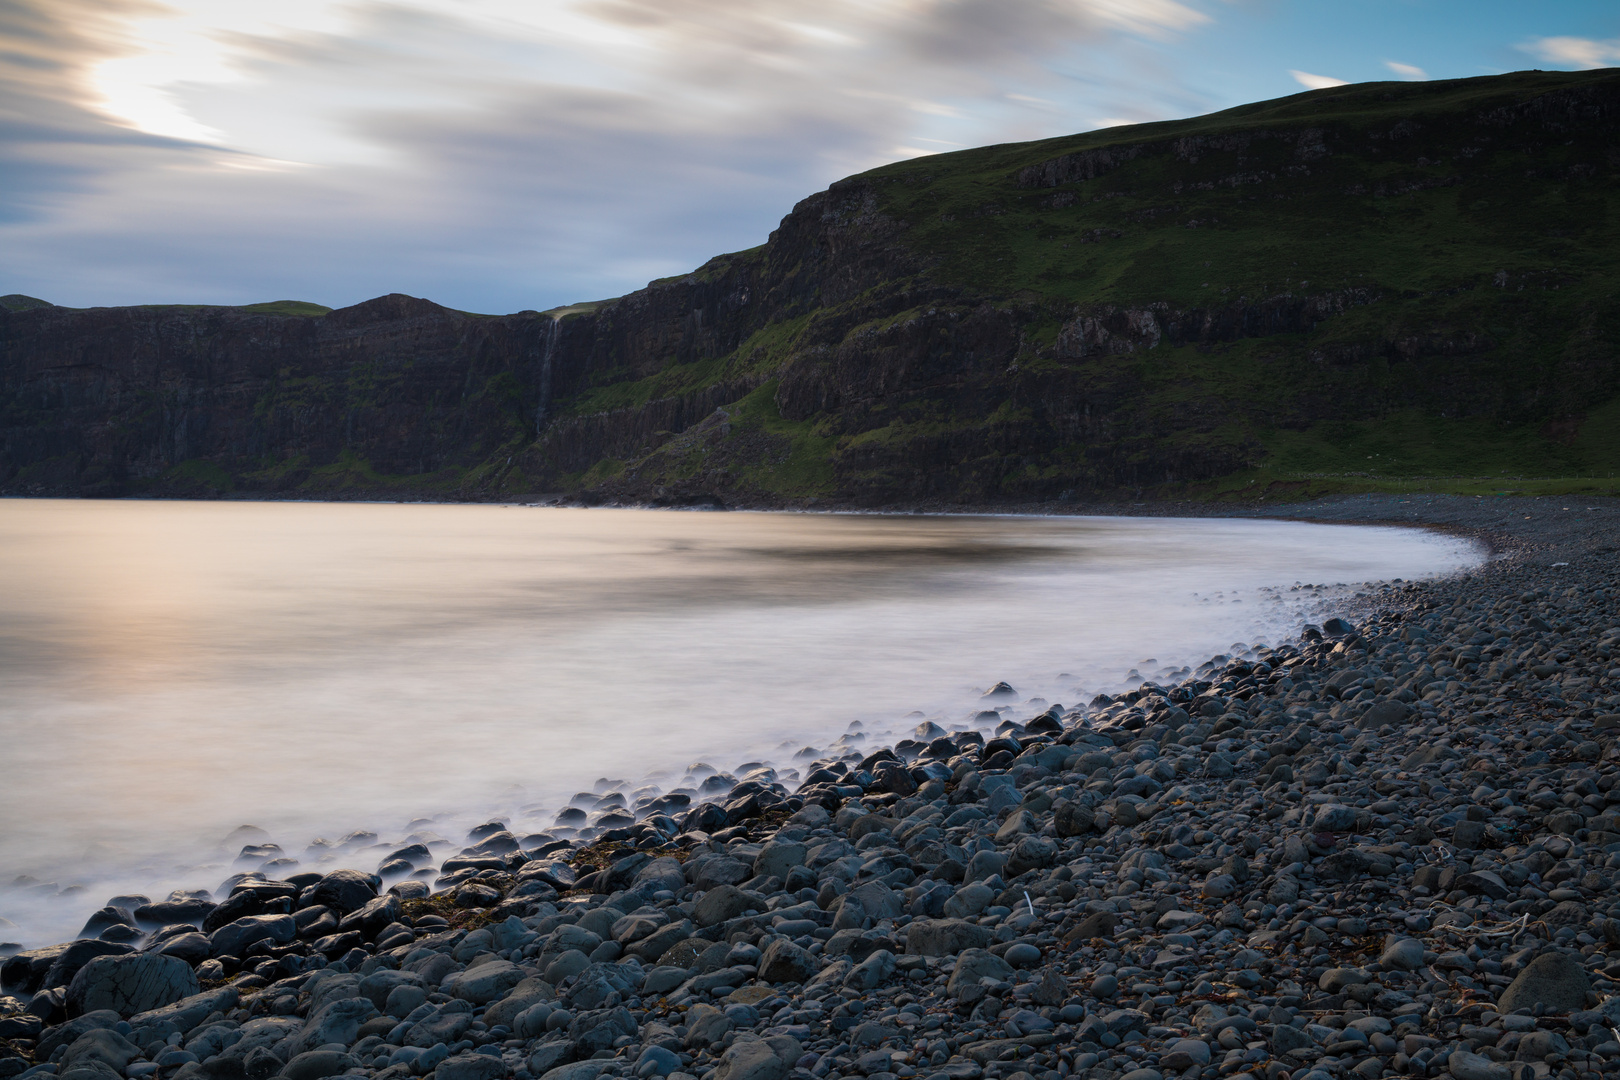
{"x": 1362, "y": 287}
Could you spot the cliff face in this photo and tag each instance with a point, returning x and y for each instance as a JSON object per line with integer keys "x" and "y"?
{"x": 1417, "y": 276}
{"x": 110, "y": 401}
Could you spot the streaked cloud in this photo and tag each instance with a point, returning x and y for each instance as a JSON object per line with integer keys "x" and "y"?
{"x": 1407, "y": 71}
{"x": 1575, "y": 52}
{"x": 1316, "y": 82}
{"x": 499, "y": 153}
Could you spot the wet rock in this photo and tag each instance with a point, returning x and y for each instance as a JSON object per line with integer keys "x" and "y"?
{"x": 336, "y": 1022}
{"x": 233, "y": 938}
{"x": 102, "y": 1045}
{"x": 130, "y": 984}
{"x": 344, "y": 891}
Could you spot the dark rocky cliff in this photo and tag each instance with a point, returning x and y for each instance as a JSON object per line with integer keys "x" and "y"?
{"x": 1395, "y": 279}
{"x": 181, "y": 400}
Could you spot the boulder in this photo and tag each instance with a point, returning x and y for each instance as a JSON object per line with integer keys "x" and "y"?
{"x": 233, "y": 938}
{"x": 484, "y": 983}
{"x": 318, "y": 1064}
{"x": 188, "y": 1012}
{"x": 344, "y": 891}
{"x": 752, "y": 1060}
{"x": 946, "y": 937}
{"x": 1556, "y": 980}
{"x": 972, "y": 967}
{"x": 103, "y": 1045}
{"x": 470, "y": 1067}
{"x": 783, "y": 961}
{"x": 335, "y": 1022}
{"x": 130, "y": 984}
{"x": 722, "y": 903}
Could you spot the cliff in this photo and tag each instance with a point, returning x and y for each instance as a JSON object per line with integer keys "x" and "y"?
{"x": 1348, "y": 286}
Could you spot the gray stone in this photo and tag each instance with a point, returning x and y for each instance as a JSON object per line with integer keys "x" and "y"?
{"x": 336, "y": 1022}
{"x": 1334, "y": 817}
{"x": 193, "y": 948}
{"x": 705, "y": 1026}
{"x": 343, "y": 891}
{"x": 1386, "y": 713}
{"x": 103, "y": 1045}
{"x": 484, "y": 983}
{"x": 380, "y": 984}
{"x": 776, "y": 858}
{"x": 1031, "y": 853}
{"x": 1072, "y": 818}
{"x": 946, "y": 937}
{"x": 553, "y": 1055}
{"x": 187, "y": 1013}
{"x": 1538, "y": 1045}
{"x": 751, "y": 1061}
{"x": 1466, "y": 1066}
{"x": 1405, "y": 954}
{"x": 722, "y": 903}
{"x": 1286, "y": 1038}
{"x": 1022, "y": 955}
{"x": 973, "y": 966}
{"x": 566, "y": 966}
{"x": 1556, "y": 980}
{"x": 579, "y": 1070}
{"x": 130, "y": 984}
{"x": 1335, "y": 979}
{"x": 783, "y": 961}
{"x": 445, "y": 1024}
{"x": 531, "y": 1022}
{"x": 657, "y": 1061}
{"x": 233, "y": 938}
{"x": 470, "y": 1067}
{"x": 872, "y": 972}
{"x": 600, "y": 1029}
{"x": 64, "y": 1034}
{"x": 1184, "y": 1054}
{"x": 661, "y": 980}
{"x": 318, "y": 1064}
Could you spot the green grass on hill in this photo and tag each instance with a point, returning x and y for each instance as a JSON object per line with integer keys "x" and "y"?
{"x": 286, "y": 307}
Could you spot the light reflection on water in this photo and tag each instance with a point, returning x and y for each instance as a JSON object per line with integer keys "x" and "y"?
{"x": 172, "y": 670}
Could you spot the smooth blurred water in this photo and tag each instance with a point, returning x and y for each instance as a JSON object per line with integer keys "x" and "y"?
{"x": 169, "y": 671}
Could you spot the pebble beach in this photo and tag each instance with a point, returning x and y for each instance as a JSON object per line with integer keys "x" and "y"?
{"x": 1386, "y": 847}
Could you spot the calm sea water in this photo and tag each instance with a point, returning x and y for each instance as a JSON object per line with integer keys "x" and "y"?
{"x": 169, "y": 671}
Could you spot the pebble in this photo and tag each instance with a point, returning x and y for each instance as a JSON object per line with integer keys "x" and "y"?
{"x": 1388, "y": 847}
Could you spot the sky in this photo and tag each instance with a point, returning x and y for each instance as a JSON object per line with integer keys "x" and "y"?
{"x": 502, "y": 155}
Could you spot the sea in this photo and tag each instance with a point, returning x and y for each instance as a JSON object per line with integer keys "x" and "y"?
{"x": 341, "y": 677}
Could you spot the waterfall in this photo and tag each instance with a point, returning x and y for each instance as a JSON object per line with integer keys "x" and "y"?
{"x": 548, "y": 350}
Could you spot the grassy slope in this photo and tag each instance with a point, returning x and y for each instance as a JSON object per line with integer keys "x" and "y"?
{"x": 1457, "y": 229}
{"x": 1146, "y": 233}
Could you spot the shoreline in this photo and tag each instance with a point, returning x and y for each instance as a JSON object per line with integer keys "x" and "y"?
{"x": 1096, "y": 825}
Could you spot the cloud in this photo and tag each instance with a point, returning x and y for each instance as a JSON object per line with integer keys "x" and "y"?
{"x": 499, "y": 154}
{"x": 1407, "y": 71}
{"x": 1316, "y": 82}
{"x": 1583, "y": 53}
